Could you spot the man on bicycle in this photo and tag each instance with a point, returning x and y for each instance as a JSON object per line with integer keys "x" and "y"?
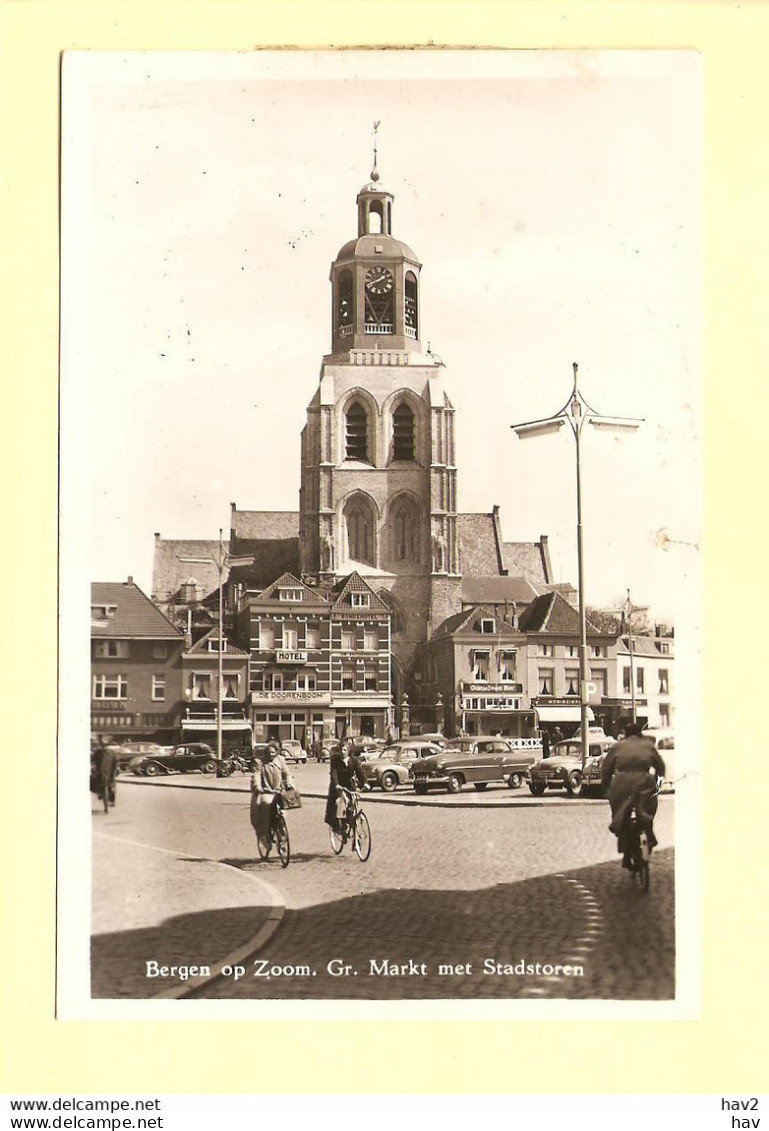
{"x": 345, "y": 773}
{"x": 629, "y": 776}
{"x": 269, "y": 776}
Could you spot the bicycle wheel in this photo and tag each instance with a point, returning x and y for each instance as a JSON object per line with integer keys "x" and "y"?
{"x": 336, "y": 838}
{"x": 362, "y": 837}
{"x": 281, "y": 840}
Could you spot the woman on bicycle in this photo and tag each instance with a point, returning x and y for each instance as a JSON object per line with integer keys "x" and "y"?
{"x": 345, "y": 772}
{"x": 269, "y": 776}
{"x": 629, "y": 777}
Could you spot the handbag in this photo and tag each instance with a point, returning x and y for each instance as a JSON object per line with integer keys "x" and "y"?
{"x": 290, "y": 798}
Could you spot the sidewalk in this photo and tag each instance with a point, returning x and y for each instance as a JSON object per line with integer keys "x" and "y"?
{"x": 176, "y": 909}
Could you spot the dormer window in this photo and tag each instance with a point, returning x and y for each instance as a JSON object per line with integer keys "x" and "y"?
{"x": 101, "y": 613}
{"x": 290, "y": 594}
{"x": 360, "y": 600}
{"x": 213, "y": 644}
{"x": 488, "y": 625}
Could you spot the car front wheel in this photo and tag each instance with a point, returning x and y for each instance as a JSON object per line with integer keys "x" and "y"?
{"x": 208, "y": 767}
{"x": 151, "y": 769}
{"x": 537, "y": 788}
{"x": 514, "y": 781}
{"x": 454, "y": 784}
{"x": 389, "y": 782}
{"x": 574, "y": 784}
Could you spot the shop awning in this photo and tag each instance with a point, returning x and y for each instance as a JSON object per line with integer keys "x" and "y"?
{"x": 564, "y": 714}
{"x": 229, "y": 724}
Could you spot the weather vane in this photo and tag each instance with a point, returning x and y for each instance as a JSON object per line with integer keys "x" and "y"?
{"x": 374, "y": 171}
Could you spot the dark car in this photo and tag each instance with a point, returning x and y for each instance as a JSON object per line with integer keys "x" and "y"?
{"x": 563, "y": 769}
{"x": 477, "y": 760}
{"x": 186, "y": 757}
{"x": 127, "y": 751}
{"x": 392, "y": 766}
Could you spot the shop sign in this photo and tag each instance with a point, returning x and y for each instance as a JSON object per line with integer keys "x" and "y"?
{"x": 491, "y": 688}
{"x": 304, "y": 696}
{"x": 291, "y": 657}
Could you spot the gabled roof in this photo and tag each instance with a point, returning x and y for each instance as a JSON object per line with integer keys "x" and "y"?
{"x": 290, "y": 581}
{"x": 497, "y": 590}
{"x": 551, "y": 613}
{"x": 469, "y": 621}
{"x": 270, "y": 539}
{"x": 354, "y": 583}
{"x": 644, "y": 646}
{"x": 132, "y": 615}
{"x": 201, "y": 646}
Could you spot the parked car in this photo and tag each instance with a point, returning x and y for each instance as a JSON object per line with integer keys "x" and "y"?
{"x": 292, "y": 750}
{"x": 392, "y": 766}
{"x": 664, "y": 737}
{"x": 563, "y": 769}
{"x": 184, "y": 758}
{"x": 365, "y": 748}
{"x": 127, "y": 751}
{"x": 478, "y": 760}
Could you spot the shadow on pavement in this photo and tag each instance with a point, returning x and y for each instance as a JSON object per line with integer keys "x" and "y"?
{"x": 392, "y": 942}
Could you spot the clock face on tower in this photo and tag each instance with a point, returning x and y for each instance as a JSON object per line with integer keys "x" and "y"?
{"x": 379, "y": 281}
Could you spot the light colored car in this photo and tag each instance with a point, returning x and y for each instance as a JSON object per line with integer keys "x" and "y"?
{"x": 478, "y": 760}
{"x": 664, "y": 737}
{"x": 292, "y": 750}
{"x": 563, "y": 769}
{"x": 392, "y": 766}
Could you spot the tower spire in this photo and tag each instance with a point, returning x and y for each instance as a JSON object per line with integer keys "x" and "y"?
{"x": 374, "y": 170}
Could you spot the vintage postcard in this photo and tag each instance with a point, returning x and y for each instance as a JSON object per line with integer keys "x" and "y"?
{"x": 380, "y": 535}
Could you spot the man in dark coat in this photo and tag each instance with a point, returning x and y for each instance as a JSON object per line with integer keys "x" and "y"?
{"x": 629, "y": 775}
{"x": 345, "y": 773}
{"x": 106, "y": 769}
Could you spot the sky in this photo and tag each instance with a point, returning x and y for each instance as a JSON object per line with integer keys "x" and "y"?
{"x": 554, "y": 202}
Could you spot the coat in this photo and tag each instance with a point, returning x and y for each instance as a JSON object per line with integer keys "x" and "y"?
{"x": 626, "y": 777}
{"x": 349, "y": 776}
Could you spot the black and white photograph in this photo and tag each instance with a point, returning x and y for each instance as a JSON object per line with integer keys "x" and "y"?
{"x": 380, "y": 533}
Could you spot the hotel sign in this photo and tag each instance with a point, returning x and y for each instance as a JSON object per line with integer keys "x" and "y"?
{"x": 291, "y": 657}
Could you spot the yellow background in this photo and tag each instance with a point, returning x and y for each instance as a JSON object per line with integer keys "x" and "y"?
{"x": 723, "y": 1052}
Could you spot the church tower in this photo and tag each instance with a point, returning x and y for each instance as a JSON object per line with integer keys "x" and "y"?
{"x": 378, "y": 484}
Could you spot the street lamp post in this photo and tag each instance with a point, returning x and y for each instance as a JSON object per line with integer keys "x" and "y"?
{"x": 577, "y": 412}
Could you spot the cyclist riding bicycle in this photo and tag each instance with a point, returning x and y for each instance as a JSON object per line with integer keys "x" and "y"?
{"x": 345, "y": 773}
{"x": 629, "y": 776}
{"x": 269, "y": 776}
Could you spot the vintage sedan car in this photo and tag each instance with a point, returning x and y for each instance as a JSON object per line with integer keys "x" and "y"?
{"x": 563, "y": 769}
{"x": 478, "y": 760}
{"x": 127, "y": 751}
{"x": 292, "y": 750}
{"x": 186, "y": 757}
{"x": 664, "y": 737}
{"x": 392, "y": 766}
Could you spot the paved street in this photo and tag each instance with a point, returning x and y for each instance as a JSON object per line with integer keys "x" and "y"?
{"x": 481, "y": 884}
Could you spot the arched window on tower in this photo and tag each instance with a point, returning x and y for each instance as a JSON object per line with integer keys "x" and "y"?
{"x": 375, "y": 218}
{"x": 403, "y": 433}
{"x": 356, "y": 433}
{"x": 411, "y": 308}
{"x": 404, "y": 526}
{"x": 359, "y": 523}
{"x": 344, "y": 312}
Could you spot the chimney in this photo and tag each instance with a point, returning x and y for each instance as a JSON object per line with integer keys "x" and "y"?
{"x": 130, "y": 580}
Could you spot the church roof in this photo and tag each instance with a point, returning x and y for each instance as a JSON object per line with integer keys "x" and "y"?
{"x": 365, "y": 247}
{"x": 169, "y": 571}
{"x": 478, "y": 545}
{"x": 496, "y": 590}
